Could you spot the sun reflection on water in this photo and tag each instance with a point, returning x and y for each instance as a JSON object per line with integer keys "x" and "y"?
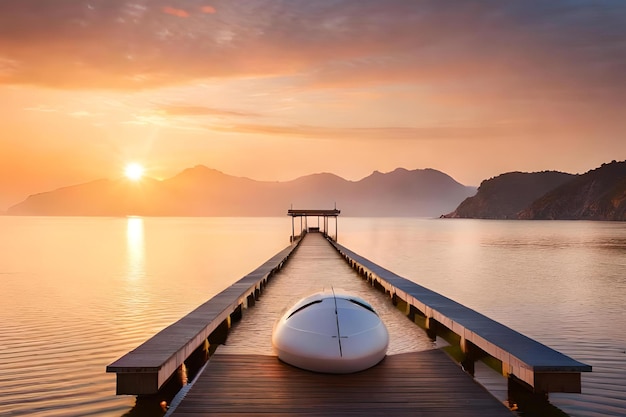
{"x": 135, "y": 248}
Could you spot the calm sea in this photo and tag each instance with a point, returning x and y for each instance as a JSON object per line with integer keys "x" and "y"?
{"x": 77, "y": 293}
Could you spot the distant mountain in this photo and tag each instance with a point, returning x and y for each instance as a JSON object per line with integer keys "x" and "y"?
{"x": 403, "y": 192}
{"x": 96, "y": 198}
{"x": 201, "y": 191}
{"x": 600, "y": 194}
{"x": 504, "y": 196}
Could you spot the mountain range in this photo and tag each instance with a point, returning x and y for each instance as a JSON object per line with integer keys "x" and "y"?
{"x": 201, "y": 191}
{"x": 599, "y": 194}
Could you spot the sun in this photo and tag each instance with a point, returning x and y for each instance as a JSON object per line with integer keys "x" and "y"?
{"x": 133, "y": 171}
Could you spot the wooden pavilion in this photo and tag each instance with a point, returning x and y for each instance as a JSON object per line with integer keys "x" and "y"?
{"x": 306, "y": 213}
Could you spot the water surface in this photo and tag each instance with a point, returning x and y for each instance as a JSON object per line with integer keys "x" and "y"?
{"x": 562, "y": 283}
{"x": 77, "y": 293}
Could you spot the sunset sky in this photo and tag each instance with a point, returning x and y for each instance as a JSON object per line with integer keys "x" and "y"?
{"x": 274, "y": 90}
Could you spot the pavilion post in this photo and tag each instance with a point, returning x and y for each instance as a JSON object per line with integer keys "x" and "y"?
{"x": 325, "y": 214}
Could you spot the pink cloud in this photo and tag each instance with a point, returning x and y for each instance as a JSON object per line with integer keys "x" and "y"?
{"x": 208, "y": 9}
{"x": 175, "y": 12}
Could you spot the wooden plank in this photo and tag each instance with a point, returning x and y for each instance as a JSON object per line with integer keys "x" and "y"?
{"x": 523, "y": 357}
{"x": 423, "y": 383}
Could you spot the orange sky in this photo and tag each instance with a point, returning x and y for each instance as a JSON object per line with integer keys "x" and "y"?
{"x": 273, "y": 90}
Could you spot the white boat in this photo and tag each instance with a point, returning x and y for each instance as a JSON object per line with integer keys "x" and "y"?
{"x": 331, "y": 332}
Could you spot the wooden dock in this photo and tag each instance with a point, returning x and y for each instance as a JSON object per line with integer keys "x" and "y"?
{"x": 243, "y": 377}
{"x": 423, "y": 384}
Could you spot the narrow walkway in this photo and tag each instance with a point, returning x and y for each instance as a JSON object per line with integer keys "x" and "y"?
{"x": 314, "y": 266}
{"x": 245, "y": 378}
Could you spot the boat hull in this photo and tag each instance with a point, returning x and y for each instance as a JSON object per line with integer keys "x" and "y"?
{"x": 331, "y": 332}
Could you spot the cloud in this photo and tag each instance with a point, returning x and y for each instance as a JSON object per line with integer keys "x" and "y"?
{"x": 182, "y": 110}
{"x": 42, "y": 109}
{"x": 175, "y": 12}
{"x": 473, "y": 52}
{"x": 8, "y": 67}
{"x": 208, "y": 9}
{"x": 81, "y": 114}
{"x": 450, "y": 132}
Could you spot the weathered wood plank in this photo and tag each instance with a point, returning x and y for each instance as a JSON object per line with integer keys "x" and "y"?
{"x": 423, "y": 383}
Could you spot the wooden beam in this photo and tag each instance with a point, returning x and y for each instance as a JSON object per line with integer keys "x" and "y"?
{"x": 146, "y": 368}
{"x": 537, "y": 365}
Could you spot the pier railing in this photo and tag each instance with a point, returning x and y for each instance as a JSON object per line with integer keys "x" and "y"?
{"x": 147, "y": 368}
{"x": 539, "y": 367}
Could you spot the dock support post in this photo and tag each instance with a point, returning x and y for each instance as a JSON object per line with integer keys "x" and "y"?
{"x": 413, "y": 313}
{"x": 471, "y": 353}
{"x": 401, "y": 304}
{"x": 218, "y": 336}
{"x": 198, "y": 357}
{"x": 527, "y": 400}
{"x": 431, "y": 328}
{"x": 251, "y": 300}
{"x": 182, "y": 375}
{"x": 237, "y": 313}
